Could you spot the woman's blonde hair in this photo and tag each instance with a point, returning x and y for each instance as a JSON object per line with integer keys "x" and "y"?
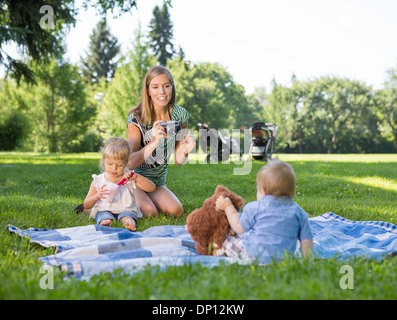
{"x": 144, "y": 111}
{"x": 277, "y": 178}
{"x": 115, "y": 148}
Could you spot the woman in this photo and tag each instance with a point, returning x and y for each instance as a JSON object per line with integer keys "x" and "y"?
{"x": 150, "y": 145}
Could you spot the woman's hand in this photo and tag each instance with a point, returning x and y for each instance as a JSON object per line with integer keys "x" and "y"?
{"x": 184, "y": 147}
{"x": 158, "y": 132}
{"x": 188, "y": 144}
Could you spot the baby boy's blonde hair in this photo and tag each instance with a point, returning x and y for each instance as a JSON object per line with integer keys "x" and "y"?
{"x": 277, "y": 178}
{"x": 115, "y": 148}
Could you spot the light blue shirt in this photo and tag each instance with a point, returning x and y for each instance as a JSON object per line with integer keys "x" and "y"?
{"x": 272, "y": 227}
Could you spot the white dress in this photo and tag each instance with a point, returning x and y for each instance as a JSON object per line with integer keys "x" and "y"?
{"x": 124, "y": 200}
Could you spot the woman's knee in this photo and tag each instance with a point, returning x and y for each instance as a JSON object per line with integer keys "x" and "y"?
{"x": 144, "y": 204}
{"x": 148, "y": 210}
{"x": 176, "y": 210}
{"x": 165, "y": 201}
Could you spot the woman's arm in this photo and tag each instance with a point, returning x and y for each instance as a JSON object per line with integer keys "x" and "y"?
{"x": 141, "y": 182}
{"x": 138, "y": 156}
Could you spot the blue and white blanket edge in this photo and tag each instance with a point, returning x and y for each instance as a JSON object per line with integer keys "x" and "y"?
{"x": 88, "y": 250}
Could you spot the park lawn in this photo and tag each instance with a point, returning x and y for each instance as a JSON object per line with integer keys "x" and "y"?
{"x": 40, "y": 190}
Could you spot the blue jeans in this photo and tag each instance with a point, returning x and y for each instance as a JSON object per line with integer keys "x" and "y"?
{"x": 103, "y": 215}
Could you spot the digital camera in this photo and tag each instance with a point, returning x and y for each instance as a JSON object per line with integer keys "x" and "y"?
{"x": 171, "y": 128}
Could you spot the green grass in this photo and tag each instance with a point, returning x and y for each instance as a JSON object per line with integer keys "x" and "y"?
{"x": 38, "y": 190}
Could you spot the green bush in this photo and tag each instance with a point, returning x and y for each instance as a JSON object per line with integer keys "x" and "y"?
{"x": 13, "y": 129}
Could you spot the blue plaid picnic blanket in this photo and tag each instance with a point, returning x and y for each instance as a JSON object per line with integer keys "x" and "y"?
{"x": 89, "y": 250}
{"x": 334, "y": 235}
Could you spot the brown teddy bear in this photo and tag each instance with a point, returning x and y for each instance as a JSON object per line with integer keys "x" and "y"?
{"x": 209, "y": 227}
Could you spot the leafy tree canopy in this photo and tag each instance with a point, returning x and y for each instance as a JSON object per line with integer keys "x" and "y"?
{"x": 38, "y": 27}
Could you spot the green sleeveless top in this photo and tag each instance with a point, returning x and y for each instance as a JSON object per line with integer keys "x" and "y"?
{"x": 155, "y": 167}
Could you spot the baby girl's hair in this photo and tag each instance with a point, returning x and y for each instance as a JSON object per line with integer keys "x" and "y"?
{"x": 277, "y": 178}
{"x": 115, "y": 148}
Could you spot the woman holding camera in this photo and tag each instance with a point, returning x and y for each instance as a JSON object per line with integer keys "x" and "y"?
{"x": 151, "y": 146}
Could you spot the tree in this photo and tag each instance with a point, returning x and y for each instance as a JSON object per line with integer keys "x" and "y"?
{"x": 161, "y": 35}
{"x": 335, "y": 103}
{"x": 30, "y": 25}
{"x": 103, "y": 48}
{"x": 57, "y": 107}
{"x": 244, "y": 112}
{"x": 124, "y": 91}
{"x": 14, "y": 124}
{"x": 328, "y": 114}
{"x": 208, "y": 92}
{"x": 287, "y": 109}
{"x": 387, "y": 103}
{"x": 13, "y": 129}
{"x": 38, "y": 27}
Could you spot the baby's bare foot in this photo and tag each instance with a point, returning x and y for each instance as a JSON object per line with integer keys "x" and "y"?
{"x": 106, "y": 222}
{"x": 129, "y": 223}
{"x": 130, "y": 226}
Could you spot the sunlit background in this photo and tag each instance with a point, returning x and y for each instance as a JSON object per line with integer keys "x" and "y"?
{"x": 258, "y": 40}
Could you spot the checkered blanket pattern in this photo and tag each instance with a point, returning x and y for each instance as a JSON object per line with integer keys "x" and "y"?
{"x": 88, "y": 250}
{"x": 334, "y": 235}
